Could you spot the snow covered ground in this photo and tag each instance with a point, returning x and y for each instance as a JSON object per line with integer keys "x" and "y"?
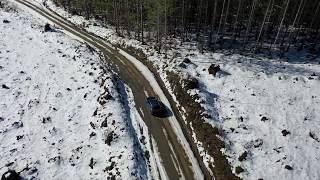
{"x": 269, "y": 112}
{"x": 61, "y": 115}
{"x": 267, "y": 109}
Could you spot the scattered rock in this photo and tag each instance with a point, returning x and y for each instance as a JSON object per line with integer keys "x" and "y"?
{"x": 257, "y": 143}
{"x": 186, "y": 60}
{"x": 147, "y": 154}
{"x": 104, "y": 123}
{"x": 13, "y": 150}
{"x": 285, "y": 132}
{"x": 46, "y": 120}
{"x": 92, "y": 163}
{"x": 17, "y": 124}
{"x": 143, "y": 140}
{"x": 92, "y": 134}
{"x": 47, "y": 28}
{"x": 19, "y": 137}
{"x": 5, "y": 86}
{"x": 263, "y": 119}
{"x": 239, "y": 170}
{"x": 243, "y": 156}
{"x": 95, "y": 112}
{"x": 109, "y": 168}
{"x": 288, "y": 167}
{"x": 104, "y": 97}
{"x": 213, "y": 69}
{"x": 278, "y": 149}
{"x": 92, "y": 125}
{"x": 313, "y": 136}
{"x": 9, "y": 164}
{"x": 109, "y": 138}
{"x": 55, "y": 159}
{"x": 10, "y": 175}
{"x": 191, "y": 83}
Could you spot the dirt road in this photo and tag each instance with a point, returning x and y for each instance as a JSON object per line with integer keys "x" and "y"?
{"x": 175, "y": 158}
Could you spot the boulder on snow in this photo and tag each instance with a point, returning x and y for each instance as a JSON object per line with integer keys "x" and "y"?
{"x": 47, "y": 28}
{"x": 104, "y": 123}
{"x": 187, "y": 60}
{"x": 92, "y": 163}
{"x": 288, "y": 167}
{"x": 243, "y": 156}
{"x": 285, "y": 132}
{"x": 239, "y": 170}
{"x": 109, "y": 138}
{"x": 213, "y": 69}
{"x": 5, "y": 86}
{"x": 191, "y": 83}
{"x": 10, "y": 175}
{"x": 263, "y": 119}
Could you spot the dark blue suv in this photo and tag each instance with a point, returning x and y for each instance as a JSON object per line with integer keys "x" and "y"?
{"x": 156, "y": 107}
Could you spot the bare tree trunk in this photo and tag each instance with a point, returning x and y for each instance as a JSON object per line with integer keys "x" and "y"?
{"x": 299, "y": 11}
{"x": 300, "y": 27}
{"x": 182, "y": 22}
{"x": 158, "y": 33}
{"x": 199, "y": 16}
{"x": 281, "y": 23}
{"x": 236, "y": 21}
{"x": 221, "y": 18}
{"x": 253, "y": 7}
{"x": 141, "y": 20}
{"x": 165, "y": 27}
{"x": 213, "y": 21}
{"x": 262, "y": 26}
{"x": 315, "y": 15}
{"x": 225, "y": 19}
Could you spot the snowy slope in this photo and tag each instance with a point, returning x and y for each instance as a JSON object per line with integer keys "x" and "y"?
{"x": 268, "y": 110}
{"x": 60, "y": 112}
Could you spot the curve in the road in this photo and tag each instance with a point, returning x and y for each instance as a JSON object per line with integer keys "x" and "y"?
{"x": 175, "y": 157}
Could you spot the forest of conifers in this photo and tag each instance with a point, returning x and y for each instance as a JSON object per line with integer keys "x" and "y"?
{"x": 252, "y": 26}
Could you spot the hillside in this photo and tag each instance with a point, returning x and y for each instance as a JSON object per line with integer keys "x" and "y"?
{"x": 61, "y": 111}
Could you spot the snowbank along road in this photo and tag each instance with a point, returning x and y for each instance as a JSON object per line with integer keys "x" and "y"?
{"x": 177, "y": 159}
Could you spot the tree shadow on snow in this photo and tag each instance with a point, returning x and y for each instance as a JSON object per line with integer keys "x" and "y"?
{"x": 140, "y": 164}
{"x": 267, "y": 66}
{"x": 210, "y": 99}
